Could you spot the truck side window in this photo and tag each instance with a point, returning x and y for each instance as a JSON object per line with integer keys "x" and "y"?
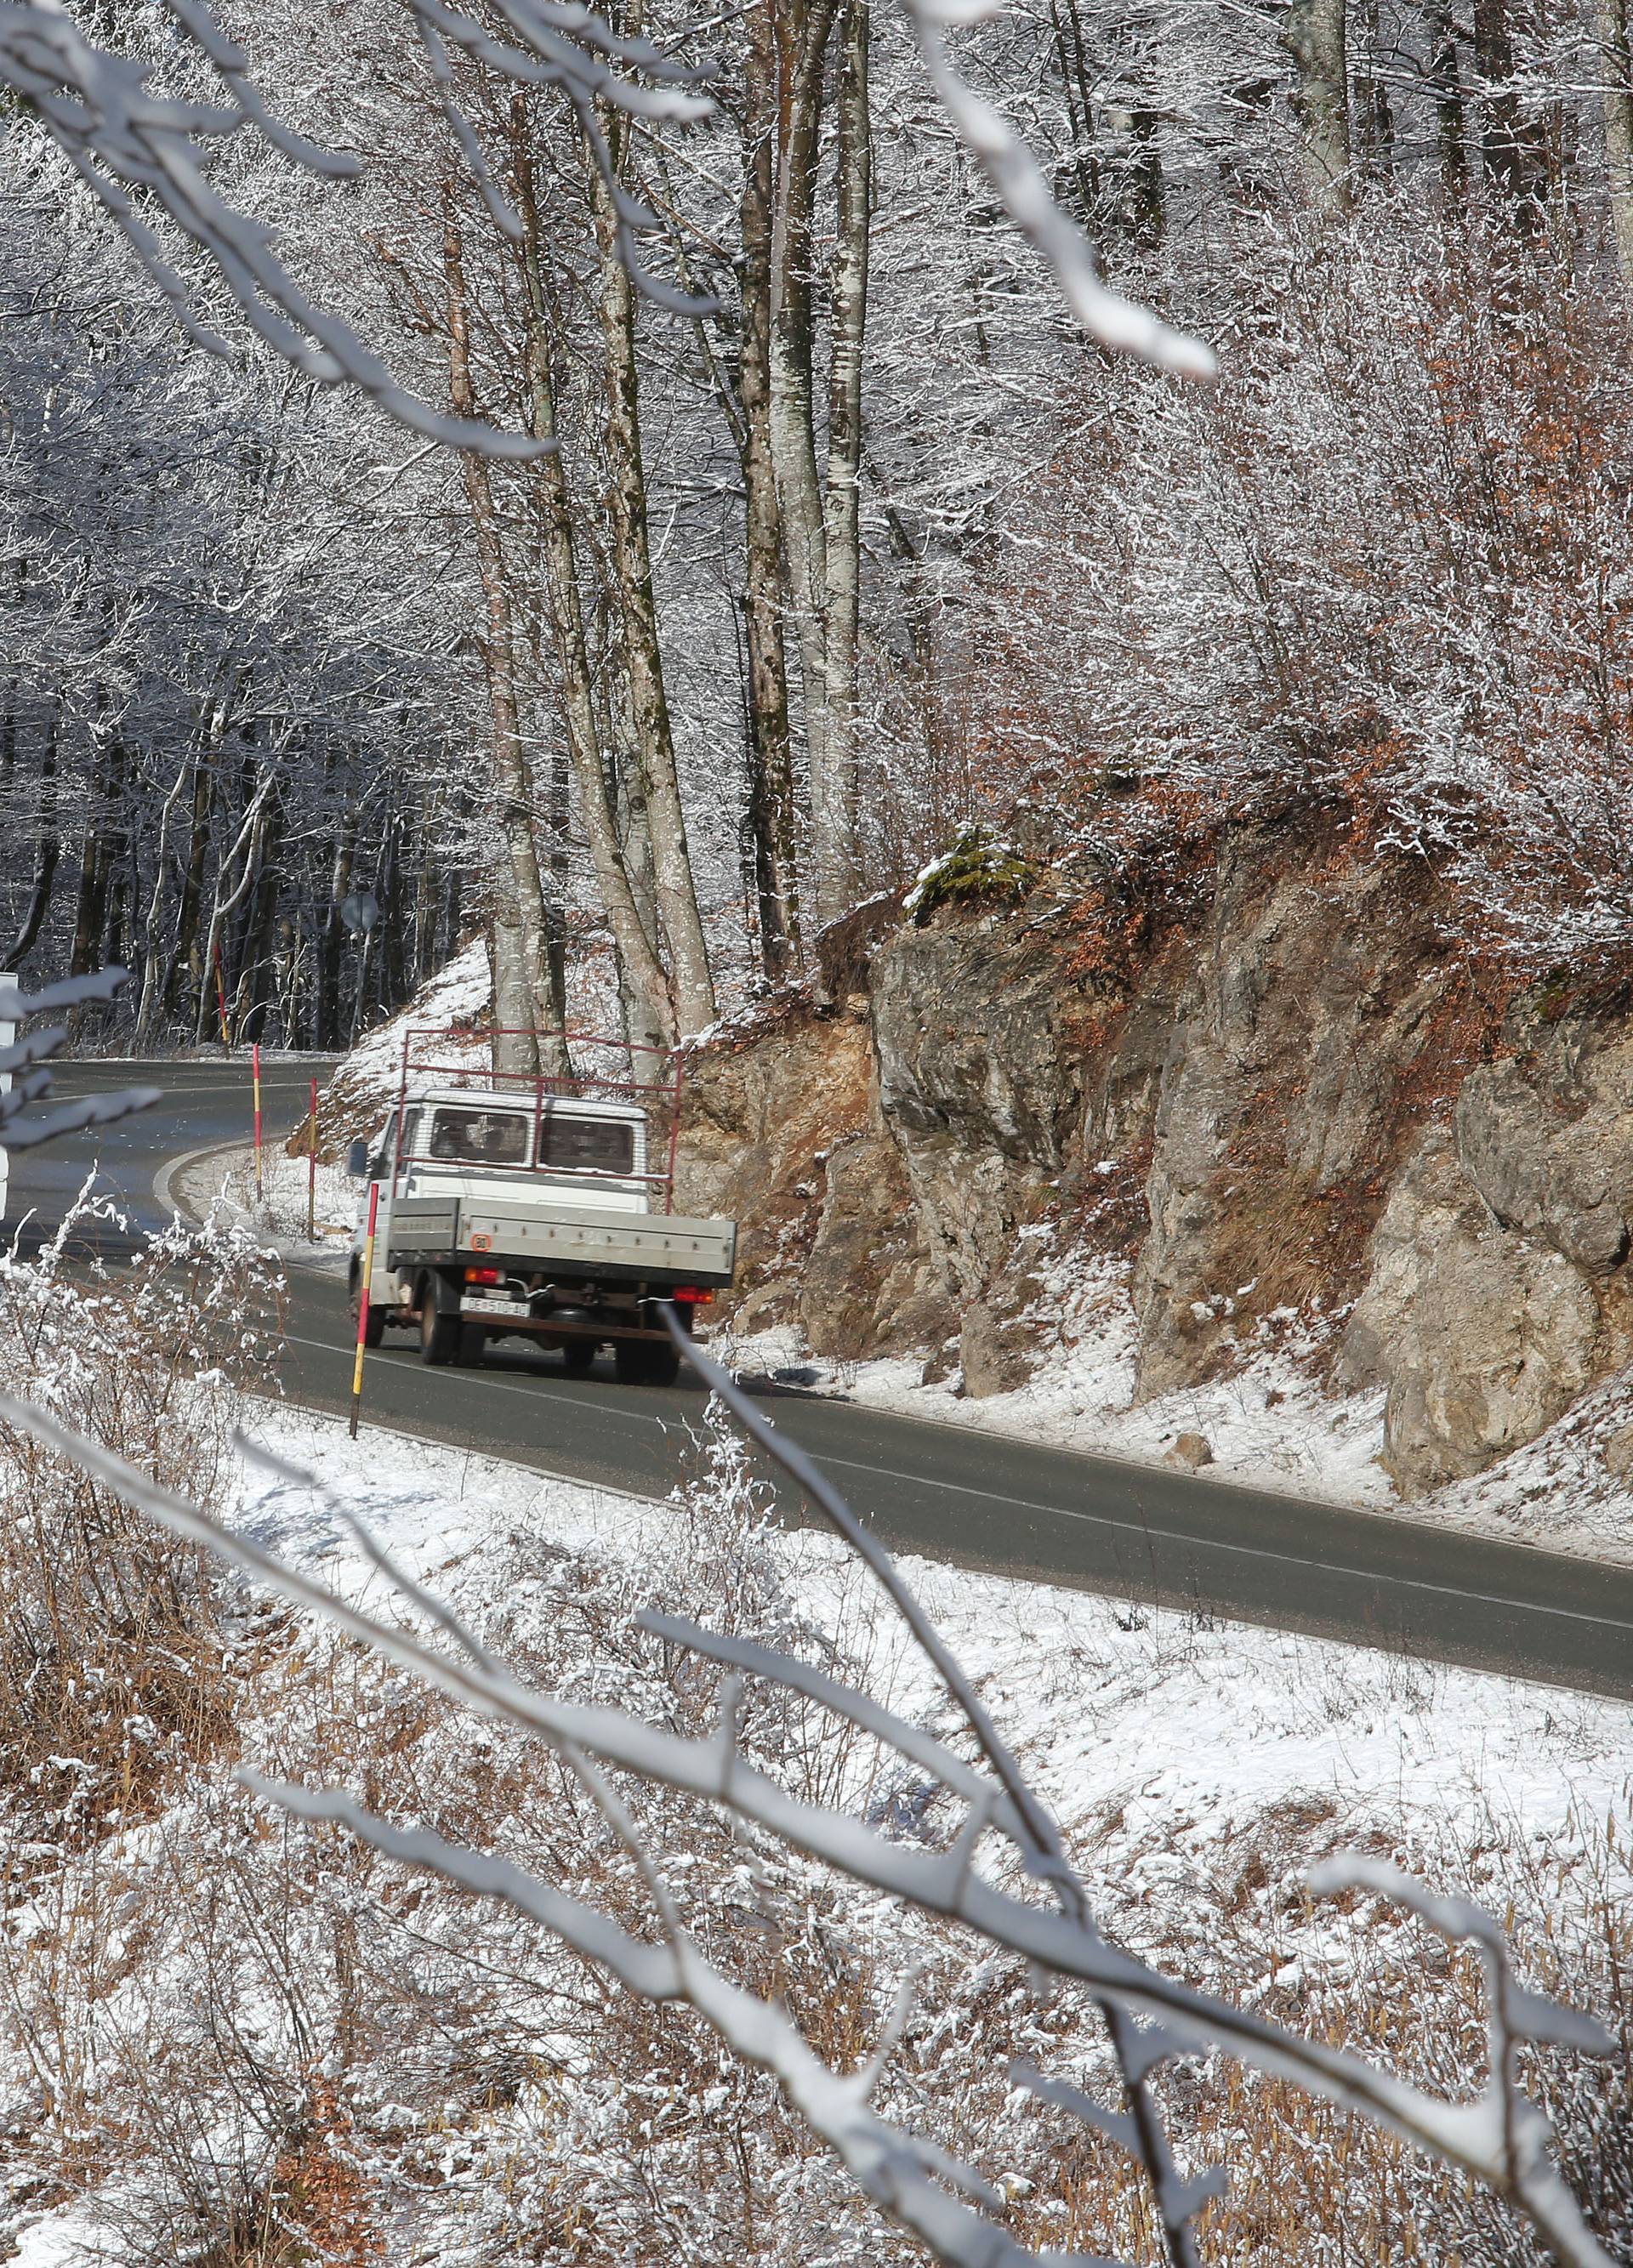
{"x": 600, "y": 1145}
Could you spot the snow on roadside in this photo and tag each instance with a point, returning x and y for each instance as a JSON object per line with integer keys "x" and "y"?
{"x": 222, "y": 1183}
{"x": 1197, "y": 1766}
{"x": 1268, "y": 1425}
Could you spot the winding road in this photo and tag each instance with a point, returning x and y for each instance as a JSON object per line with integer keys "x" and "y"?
{"x": 979, "y": 1499}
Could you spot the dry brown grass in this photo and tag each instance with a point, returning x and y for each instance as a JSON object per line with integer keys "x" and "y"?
{"x": 113, "y": 1658}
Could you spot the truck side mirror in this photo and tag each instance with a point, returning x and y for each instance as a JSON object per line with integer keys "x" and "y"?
{"x": 357, "y": 1159}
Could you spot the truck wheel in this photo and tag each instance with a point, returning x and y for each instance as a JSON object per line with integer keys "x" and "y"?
{"x": 577, "y": 1357}
{"x": 439, "y": 1332}
{"x": 374, "y": 1322}
{"x": 646, "y": 1362}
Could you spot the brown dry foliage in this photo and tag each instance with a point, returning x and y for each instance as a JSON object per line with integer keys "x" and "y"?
{"x": 114, "y": 1663}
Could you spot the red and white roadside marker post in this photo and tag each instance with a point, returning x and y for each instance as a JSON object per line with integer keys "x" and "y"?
{"x": 363, "y": 1288}
{"x": 254, "y": 1063}
{"x": 312, "y": 1168}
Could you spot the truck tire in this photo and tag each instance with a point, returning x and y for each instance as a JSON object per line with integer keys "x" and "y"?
{"x": 646, "y": 1362}
{"x": 440, "y": 1329}
{"x": 374, "y": 1322}
{"x": 577, "y": 1357}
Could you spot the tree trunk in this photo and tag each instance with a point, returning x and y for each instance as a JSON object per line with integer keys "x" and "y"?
{"x": 95, "y": 860}
{"x": 249, "y": 843}
{"x": 842, "y": 541}
{"x": 188, "y": 978}
{"x": 1509, "y": 145}
{"x": 522, "y": 1050}
{"x": 772, "y": 815}
{"x": 510, "y": 951}
{"x": 1374, "y": 124}
{"x": 1314, "y": 38}
{"x": 327, "y": 1012}
{"x": 153, "y": 960}
{"x": 257, "y": 963}
{"x": 47, "y": 851}
{"x": 1618, "y": 98}
{"x": 638, "y": 960}
{"x": 802, "y": 28}
{"x": 677, "y": 897}
{"x": 1450, "y": 124}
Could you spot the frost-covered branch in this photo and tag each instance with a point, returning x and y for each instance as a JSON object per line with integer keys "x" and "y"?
{"x": 900, "y": 2171}
{"x": 144, "y": 154}
{"x": 1021, "y": 187}
{"x": 1501, "y": 2137}
{"x": 141, "y": 153}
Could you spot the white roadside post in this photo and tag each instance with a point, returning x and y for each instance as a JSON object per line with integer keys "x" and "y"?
{"x": 8, "y": 1037}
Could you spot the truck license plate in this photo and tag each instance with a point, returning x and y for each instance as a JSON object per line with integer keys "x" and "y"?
{"x": 469, "y": 1307}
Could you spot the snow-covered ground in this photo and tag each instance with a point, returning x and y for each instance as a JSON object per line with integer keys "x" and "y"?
{"x": 1198, "y": 1767}
{"x": 1171, "y": 1720}
{"x": 1268, "y": 1426}
{"x": 222, "y": 1183}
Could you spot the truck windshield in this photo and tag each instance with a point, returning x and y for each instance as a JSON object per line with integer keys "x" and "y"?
{"x": 478, "y": 1137}
{"x": 600, "y": 1145}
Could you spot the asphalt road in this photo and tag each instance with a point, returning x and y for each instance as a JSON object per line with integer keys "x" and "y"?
{"x": 978, "y": 1499}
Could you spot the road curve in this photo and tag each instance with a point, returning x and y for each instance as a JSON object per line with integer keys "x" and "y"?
{"x": 977, "y": 1499}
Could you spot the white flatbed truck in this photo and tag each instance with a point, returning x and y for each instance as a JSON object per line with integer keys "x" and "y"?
{"x": 523, "y": 1205}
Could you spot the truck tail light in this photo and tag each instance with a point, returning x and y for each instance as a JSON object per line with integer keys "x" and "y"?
{"x": 692, "y": 1295}
{"x": 482, "y": 1275}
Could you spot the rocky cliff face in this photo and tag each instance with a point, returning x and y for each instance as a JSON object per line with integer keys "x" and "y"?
{"x": 1293, "y": 1101}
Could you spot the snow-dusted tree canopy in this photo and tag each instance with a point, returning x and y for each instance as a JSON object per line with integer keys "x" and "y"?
{"x": 809, "y": 522}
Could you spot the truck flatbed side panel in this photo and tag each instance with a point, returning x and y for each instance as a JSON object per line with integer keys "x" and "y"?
{"x": 581, "y": 1237}
{"x": 424, "y": 1220}
{"x": 665, "y": 1242}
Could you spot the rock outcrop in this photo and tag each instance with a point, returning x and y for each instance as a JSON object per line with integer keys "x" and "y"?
{"x": 1292, "y": 1100}
{"x": 782, "y": 1130}
{"x": 1287, "y": 1096}
{"x": 1482, "y": 1338}
{"x": 1500, "y": 1287}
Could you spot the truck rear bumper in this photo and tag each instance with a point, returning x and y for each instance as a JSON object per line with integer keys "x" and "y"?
{"x": 501, "y": 1315}
{"x": 657, "y": 1282}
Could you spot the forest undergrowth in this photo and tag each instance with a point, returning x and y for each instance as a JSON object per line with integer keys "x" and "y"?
{"x": 116, "y": 1671}
{"x": 234, "y": 2039}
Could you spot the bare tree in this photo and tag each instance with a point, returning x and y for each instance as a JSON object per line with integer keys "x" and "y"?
{"x": 1315, "y": 38}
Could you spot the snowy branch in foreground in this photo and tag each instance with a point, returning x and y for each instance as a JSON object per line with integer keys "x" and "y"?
{"x": 1500, "y": 2137}
{"x": 30, "y": 1084}
{"x": 1018, "y": 182}
{"x": 136, "y": 150}
{"x": 141, "y": 152}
